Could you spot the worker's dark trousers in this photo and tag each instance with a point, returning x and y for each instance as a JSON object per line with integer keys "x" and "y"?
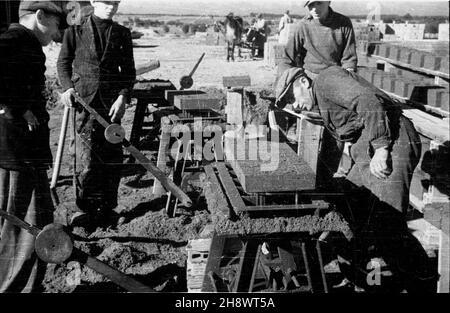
{"x": 100, "y": 168}
{"x": 379, "y": 206}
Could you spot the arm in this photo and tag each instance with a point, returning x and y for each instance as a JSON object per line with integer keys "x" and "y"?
{"x": 294, "y": 53}
{"x": 128, "y": 77}
{"x": 349, "y": 58}
{"x": 128, "y": 70}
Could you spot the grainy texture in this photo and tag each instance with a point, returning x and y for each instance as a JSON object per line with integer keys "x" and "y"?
{"x": 270, "y": 167}
{"x": 236, "y": 81}
{"x": 196, "y": 102}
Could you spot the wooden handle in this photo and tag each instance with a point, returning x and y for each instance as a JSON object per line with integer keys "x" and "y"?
{"x": 59, "y": 153}
{"x": 150, "y": 66}
{"x": 196, "y": 65}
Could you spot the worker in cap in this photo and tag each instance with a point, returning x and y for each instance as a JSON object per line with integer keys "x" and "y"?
{"x": 49, "y": 7}
{"x": 103, "y": 75}
{"x": 386, "y": 150}
{"x": 323, "y": 38}
{"x": 25, "y": 154}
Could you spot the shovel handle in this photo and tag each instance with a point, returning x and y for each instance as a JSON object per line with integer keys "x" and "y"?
{"x": 59, "y": 153}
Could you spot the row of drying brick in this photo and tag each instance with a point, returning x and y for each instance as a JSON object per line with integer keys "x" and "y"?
{"x": 402, "y": 86}
{"x": 415, "y": 58}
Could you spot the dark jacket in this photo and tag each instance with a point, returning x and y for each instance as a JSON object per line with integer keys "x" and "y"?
{"x": 22, "y": 87}
{"x": 315, "y": 45}
{"x": 350, "y": 105}
{"x": 79, "y": 65}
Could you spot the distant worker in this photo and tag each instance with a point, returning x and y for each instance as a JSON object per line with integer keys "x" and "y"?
{"x": 257, "y": 34}
{"x": 283, "y": 27}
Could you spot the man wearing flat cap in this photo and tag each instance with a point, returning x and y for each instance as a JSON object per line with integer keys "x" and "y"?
{"x": 24, "y": 140}
{"x": 323, "y": 38}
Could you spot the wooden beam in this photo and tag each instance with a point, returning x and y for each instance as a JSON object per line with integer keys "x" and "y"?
{"x": 231, "y": 191}
{"x": 319, "y": 204}
{"x": 211, "y": 175}
{"x": 413, "y": 68}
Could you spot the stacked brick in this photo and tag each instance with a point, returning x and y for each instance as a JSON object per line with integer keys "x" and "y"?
{"x": 392, "y": 82}
{"x": 273, "y": 53}
{"x": 415, "y": 58}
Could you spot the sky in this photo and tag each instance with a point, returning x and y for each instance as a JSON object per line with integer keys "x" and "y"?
{"x": 244, "y": 7}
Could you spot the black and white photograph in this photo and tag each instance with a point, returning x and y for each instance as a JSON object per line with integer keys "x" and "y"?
{"x": 224, "y": 155}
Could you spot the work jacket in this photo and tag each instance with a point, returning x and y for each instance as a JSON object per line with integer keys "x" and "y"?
{"x": 22, "y": 88}
{"x": 350, "y": 106}
{"x": 80, "y": 66}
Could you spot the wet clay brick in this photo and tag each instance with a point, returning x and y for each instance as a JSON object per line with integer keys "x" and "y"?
{"x": 444, "y": 67}
{"x": 236, "y": 81}
{"x": 417, "y": 58}
{"x": 405, "y": 55}
{"x": 385, "y": 51}
{"x": 403, "y": 88}
{"x": 290, "y": 173}
{"x": 388, "y": 83}
{"x": 196, "y": 102}
{"x": 432, "y": 62}
{"x": 395, "y": 53}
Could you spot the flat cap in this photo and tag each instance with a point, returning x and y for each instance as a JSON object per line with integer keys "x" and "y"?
{"x": 309, "y": 2}
{"x": 29, "y": 6}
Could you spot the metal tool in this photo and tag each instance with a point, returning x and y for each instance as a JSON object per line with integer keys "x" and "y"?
{"x": 116, "y": 132}
{"x": 187, "y": 81}
{"x": 54, "y": 244}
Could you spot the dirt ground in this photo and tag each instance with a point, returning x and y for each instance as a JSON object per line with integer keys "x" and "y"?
{"x": 148, "y": 245}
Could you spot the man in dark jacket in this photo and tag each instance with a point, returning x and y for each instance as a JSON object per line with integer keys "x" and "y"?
{"x": 24, "y": 140}
{"x": 96, "y": 61}
{"x": 386, "y": 149}
{"x": 321, "y": 39}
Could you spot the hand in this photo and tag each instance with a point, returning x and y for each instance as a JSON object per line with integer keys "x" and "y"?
{"x": 31, "y": 120}
{"x": 379, "y": 165}
{"x": 67, "y": 98}
{"x": 117, "y": 110}
{"x": 302, "y": 95}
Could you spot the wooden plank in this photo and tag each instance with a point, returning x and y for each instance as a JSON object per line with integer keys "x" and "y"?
{"x": 236, "y": 81}
{"x": 247, "y": 254}
{"x": 211, "y": 175}
{"x": 213, "y": 264}
{"x": 414, "y": 68}
{"x": 234, "y": 108}
{"x": 161, "y": 162}
{"x": 196, "y": 102}
{"x": 426, "y": 124}
{"x": 444, "y": 263}
{"x": 233, "y": 195}
{"x": 321, "y": 205}
{"x": 170, "y": 94}
{"x": 309, "y": 141}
